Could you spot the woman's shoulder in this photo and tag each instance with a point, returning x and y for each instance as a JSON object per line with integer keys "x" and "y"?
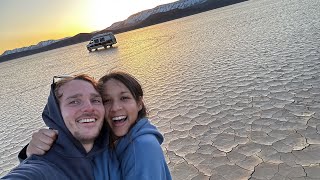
{"x": 142, "y": 136}
{"x": 146, "y": 147}
{"x": 145, "y": 132}
{"x": 146, "y": 140}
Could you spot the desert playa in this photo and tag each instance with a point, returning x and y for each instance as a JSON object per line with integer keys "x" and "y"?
{"x": 235, "y": 91}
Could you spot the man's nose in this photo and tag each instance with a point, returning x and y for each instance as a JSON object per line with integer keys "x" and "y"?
{"x": 88, "y": 106}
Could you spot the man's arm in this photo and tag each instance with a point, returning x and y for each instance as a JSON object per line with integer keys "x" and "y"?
{"x": 34, "y": 169}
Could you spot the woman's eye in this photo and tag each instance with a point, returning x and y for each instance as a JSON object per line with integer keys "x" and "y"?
{"x": 106, "y": 101}
{"x": 124, "y": 98}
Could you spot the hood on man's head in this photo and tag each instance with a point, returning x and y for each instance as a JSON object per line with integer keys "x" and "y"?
{"x": 52, "y": 117}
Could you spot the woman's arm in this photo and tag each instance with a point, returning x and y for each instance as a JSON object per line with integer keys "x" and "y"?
{"x": 40, "y": 143}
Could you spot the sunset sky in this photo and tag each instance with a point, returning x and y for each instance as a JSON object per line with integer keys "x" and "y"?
{"x": 27, "y": 22}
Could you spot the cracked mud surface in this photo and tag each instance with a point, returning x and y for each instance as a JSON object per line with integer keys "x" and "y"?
{"x": 238, "y": 99}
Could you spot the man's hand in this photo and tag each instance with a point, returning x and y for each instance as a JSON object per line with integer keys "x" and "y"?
{"x": 41, "y": 141}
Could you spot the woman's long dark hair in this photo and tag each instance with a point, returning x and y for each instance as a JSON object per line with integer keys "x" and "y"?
{"x": 132, "y": 84}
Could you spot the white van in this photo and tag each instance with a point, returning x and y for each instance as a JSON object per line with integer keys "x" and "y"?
{"x": 101, "y": 40}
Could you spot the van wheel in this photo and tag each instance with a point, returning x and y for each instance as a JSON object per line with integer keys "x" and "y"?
{"x": 111, "y": 46}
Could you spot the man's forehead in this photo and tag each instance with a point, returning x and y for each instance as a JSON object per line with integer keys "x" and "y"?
{"x": 77, "y": 83}
{"x": 78, "y": 87}
{"x": 72, "y": 95}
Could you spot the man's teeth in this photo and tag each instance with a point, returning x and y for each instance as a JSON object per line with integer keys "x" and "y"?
{"x": 119, "y": 118}
{"x": 86, "y": 120}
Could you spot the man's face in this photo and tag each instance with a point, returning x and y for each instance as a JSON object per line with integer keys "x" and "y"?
{"x": 82, "y": 110}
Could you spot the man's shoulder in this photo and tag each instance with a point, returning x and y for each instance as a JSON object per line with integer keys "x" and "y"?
{"x": 35, "y": 169}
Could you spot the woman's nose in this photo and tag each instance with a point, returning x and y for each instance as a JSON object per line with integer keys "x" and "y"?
{"x": 116, "y": 106}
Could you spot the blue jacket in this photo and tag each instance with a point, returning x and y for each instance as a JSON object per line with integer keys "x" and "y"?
{"x": 67, "y": 159}
{"x": 140, "y": 154}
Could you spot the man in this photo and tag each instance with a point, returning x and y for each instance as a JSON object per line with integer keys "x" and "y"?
{"x": 75, "y": 109}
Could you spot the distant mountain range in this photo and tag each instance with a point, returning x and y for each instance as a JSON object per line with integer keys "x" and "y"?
{"x": 40, "y": 44}
{"x": 159, "y": 14}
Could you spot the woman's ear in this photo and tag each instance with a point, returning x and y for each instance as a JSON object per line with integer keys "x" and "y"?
{"x": 140, "y": 103}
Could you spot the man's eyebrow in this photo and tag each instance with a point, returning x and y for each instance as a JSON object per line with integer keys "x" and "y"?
{"x": 79, "y": 95}
{"x": 74, "y": 96}
{"x": 95, "y": 95}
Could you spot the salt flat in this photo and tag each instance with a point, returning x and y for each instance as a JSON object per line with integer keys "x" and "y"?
{"x": 235, "y": 91}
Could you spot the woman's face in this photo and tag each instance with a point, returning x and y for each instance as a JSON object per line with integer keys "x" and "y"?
{"x": 120, "y": 106}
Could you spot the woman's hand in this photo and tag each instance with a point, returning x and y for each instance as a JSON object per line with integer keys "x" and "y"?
{"x": 41, "y": 141}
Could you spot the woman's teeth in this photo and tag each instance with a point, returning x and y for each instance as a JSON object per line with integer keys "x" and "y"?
{"x": 119, "y": 118}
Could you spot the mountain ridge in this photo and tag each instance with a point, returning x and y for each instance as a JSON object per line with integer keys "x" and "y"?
{"x": 159, "y": 14}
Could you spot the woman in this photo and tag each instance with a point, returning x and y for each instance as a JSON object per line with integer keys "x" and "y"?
{"x": 134, "y": 140}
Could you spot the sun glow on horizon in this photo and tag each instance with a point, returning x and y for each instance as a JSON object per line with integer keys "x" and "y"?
{"x": 47, "y": 20}
{"x": 103, "y": 14}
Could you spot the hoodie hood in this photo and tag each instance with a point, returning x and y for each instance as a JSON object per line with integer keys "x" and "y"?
{"x": 142, "y": 127}
{"x": 66, "y": 143}
{"x": 140, "y": 154}
{"x": 67, "y": 152}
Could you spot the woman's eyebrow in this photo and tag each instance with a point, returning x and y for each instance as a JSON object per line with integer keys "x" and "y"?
{"x": 124, "y": 92}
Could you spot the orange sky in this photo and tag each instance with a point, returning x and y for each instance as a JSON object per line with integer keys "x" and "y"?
{"x": 27, "y": 22}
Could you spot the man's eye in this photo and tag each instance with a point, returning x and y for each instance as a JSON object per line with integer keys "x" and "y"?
{"x": 74, "y": 102}
{"x": 96, "y": 100}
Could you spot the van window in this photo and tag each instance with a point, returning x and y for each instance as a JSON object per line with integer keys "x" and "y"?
{"x": 102, "y": 39}
{"x": 96, "y": 41}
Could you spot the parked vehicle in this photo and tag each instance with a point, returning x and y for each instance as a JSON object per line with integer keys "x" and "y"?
{"x": 101, "y": 40}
